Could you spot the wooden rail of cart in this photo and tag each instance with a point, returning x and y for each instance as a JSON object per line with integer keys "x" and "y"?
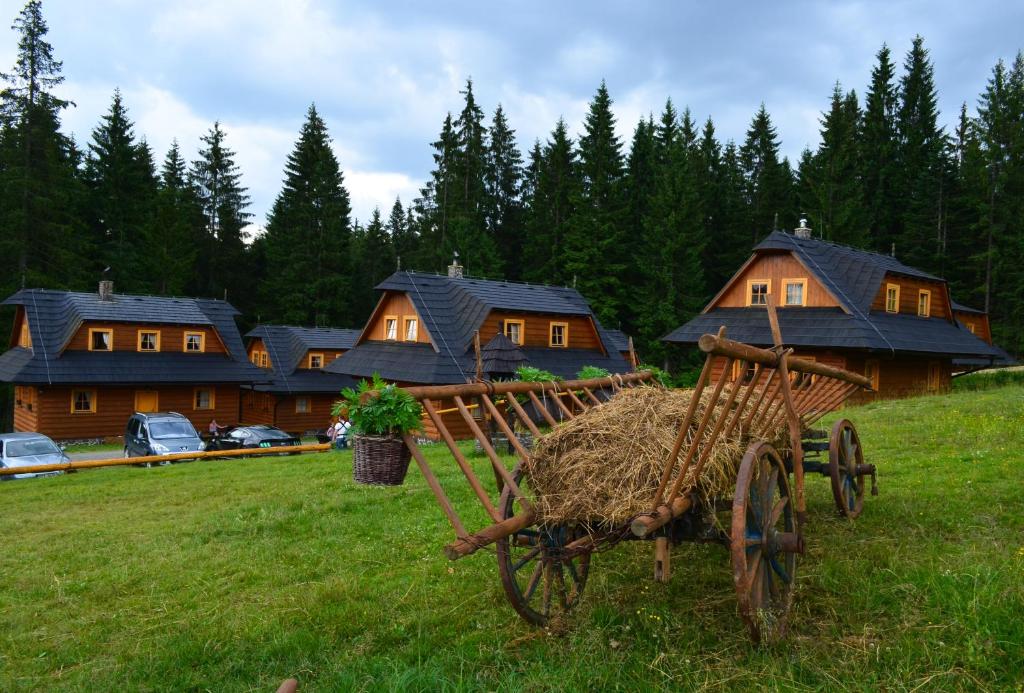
{"x": 544, "y": 568}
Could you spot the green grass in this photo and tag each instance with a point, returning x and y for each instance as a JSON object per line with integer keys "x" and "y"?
{"x": 233, "y": 575}
{"x": 986, "y": 380}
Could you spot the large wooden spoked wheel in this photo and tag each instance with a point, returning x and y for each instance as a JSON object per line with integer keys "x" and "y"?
{"x": 844, "y": 458}
{"x": 541, "y": 578}
{"x": 763, "y": 542}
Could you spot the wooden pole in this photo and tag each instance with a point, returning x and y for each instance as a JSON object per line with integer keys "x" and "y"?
{"x": 198, "y": 455}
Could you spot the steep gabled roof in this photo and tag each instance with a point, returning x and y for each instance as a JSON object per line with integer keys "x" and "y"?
{"x": 452, "y": 310}
{"x": 287, "y": 346}
{"x": 852, "y": 275}
{"x": 55, "y": 316}
{"x": 619, "y": 339}
{"x": 961, "y": 308}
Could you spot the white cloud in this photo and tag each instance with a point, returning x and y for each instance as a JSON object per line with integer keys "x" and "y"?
{"x": 369, "y": 189}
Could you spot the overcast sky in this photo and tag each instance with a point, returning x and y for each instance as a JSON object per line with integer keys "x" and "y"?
{"x": 383, "y": 75}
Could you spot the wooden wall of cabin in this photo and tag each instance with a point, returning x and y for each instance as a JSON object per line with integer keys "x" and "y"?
{"x": 51, "y": 413}
{"x": 909, "y": 294}
{"x": 979, "y": 323}
{"x": 776, "y": 268}
{"x": 257, "y": 407}
{"x": 395, "y": 304}
{"x": 315, "y": 420}
{"x": 126, "y": 337}
{"x": 537, "y": 329}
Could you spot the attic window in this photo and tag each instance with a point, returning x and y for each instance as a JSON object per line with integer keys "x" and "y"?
{"x": 391, "y": 327}
{"x": 892, "y": 298}
{"x": 411, "y": 329}
{"x": 264, "y": 361}
{"x": 101, "y": 340}
{"x": 970, "y": 327}
{"x": 757, "y": 292}
{"x": 316, "y": 360}
{"x": 559, "y": 336}
{"x": 195, "y": 342}
{"x": 149, "y": 340}
{"x": 25, "y": 338}
{"x": 514, "y": 330}
{"x": 924, "y": 303}
{"x": 795, "y": 292}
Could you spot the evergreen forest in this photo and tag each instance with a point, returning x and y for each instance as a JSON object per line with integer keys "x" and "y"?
{"x": 646, "y": 229}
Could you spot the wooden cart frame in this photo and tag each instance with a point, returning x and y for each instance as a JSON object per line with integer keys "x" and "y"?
{"x": 544, "y": 568}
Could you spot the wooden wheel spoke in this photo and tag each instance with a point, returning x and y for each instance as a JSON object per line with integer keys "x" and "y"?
{"x": 530, "y": 555}
{"x": 780, "y": 571}
{"x": 531, "y": 587}
{"x": 547, "y": 588}
{"x": 560, "y": 582}
{"x": 754, "y": 565}
{"x": 779, "y": 506}
{"x": 773, "y": 589}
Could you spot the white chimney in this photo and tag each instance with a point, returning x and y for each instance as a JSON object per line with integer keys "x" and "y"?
{"x": 106, "y": 290}
{"x": 455, "y": 269}
{"x": 802, "y": 231}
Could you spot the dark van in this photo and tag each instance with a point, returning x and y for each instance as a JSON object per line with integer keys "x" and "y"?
{"x": 163, "y": 433}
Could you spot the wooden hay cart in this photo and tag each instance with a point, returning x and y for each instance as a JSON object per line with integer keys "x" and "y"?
{"x": 544, "y": 568}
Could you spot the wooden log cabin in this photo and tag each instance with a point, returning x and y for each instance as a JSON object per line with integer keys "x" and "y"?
{"x": 855, "y": 309}
{"x": 82, "y": 363}
{"x": 423, "y": 328}
{"x": 299, "y": 394}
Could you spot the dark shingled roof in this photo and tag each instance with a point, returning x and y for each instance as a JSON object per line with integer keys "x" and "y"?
{"x": 288, "y": 345}
{"x": 831, "y": 327}
{"x": 961, "y": 308}
{"x": 55, "y": 316}
{"x": 502, "y": 355}
{"x": 854, "y": 277}
{"x": 619, "y": 340}
{"x": 452, "y": 310}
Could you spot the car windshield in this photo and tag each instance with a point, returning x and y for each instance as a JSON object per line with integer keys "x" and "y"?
{"x": 171, "y": 429}
{"x": 34, "y": 446}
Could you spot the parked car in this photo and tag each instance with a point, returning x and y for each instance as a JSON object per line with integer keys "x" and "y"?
{"x": 28, "y": 450}
{"x": 163, "y": 433}
{"x": 258, "y": 436}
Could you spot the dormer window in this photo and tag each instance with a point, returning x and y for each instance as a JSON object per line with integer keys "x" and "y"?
{"x": 391, "y": 328}
{"x": 411, "y": 329}
{"x": 970, "y": 327}
{"x": 757, "y": 292}
{"x": 264, "y": 361}
{"x": 892, "y": 298}
{"x": 25, "y": 338}
{"x": 924, "y": 303}
{"x": 514, "y": 330}
{"x": 794, "y": 292}
{"x": 195, "y": 342}
{"x": 559, "y": 335}
{"x": 316, "y": 360}
{"x": 149, "y": 340}
{"x": 101, "y": 339}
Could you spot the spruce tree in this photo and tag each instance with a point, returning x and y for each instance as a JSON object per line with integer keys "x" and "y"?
{"x": 503, "y": 208}
{"x": 41, "y": 196}
{"x": 919, "y": 156}
{"x": 402, "y": 233}
{"x": 223, "y": 201}
{"x": 879, "y": 154}
{"x": 837, "y": 197}
{"x": 121, "y": 181}
{"x": 307, "y": 241}
{"x": 767, "y": 181}
{"x": 374, "y": 253}
{"x": 594, "y": 246}
{"x": 552, "y": 206}
{"x": 171, "y": 236}
{"x": 437, "y": 204}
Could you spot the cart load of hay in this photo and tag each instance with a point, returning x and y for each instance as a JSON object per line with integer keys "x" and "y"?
{"x": 605, "y": 465}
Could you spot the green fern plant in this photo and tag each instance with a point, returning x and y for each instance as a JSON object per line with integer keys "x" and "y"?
{"x": 392, "y": 412}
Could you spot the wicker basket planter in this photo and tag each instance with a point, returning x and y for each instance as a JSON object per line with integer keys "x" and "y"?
{"x": 379, "y": 460}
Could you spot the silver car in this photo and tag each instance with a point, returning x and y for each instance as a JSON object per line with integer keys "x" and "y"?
{"x": 28, "y": 450}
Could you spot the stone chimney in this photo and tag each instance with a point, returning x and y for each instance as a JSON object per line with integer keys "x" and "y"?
{"x": 455, "y": 269}
{"x": 106, "y": 290}
{"x": 802, "y": 231}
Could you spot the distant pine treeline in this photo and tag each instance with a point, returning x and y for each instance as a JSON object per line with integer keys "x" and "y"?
{"x": 647, "y": 231}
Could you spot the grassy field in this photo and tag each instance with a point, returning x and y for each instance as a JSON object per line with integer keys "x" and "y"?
{"x": 233, "y": 575}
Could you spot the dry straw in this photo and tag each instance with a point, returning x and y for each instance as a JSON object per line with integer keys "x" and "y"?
{"x": 604, "y": 466}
